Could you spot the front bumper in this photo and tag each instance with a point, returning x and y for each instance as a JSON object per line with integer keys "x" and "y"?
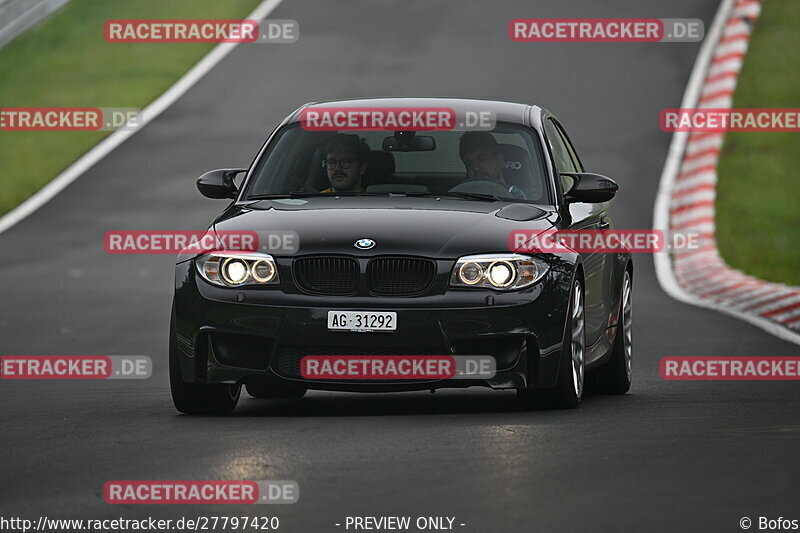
{"x": 241, "y": 335}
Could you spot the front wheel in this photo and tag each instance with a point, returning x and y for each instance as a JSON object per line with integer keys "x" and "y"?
{"x": 197, "y": 398}
{"x": 568, "y": 391}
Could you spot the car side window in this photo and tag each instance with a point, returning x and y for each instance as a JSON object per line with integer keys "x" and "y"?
{"x": 573, "y": 154}
{"x": 561, "y": 154}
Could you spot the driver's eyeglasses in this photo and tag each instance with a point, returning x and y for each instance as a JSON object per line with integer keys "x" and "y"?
{"x": 345, "y": 163}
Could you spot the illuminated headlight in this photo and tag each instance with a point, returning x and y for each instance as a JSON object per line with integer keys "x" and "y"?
{"x": 470, "y": 273}
{"x": 497, "y": 271}
{"x": 235, "y": 270}
{"x": 263, "y": 271}
{"x": 501, "y": 273}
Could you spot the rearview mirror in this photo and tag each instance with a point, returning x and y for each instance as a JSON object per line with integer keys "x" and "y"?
{"x": 590, "y": 188}
{"x": 219, "y": 183}
{"x": 411, "y": 143}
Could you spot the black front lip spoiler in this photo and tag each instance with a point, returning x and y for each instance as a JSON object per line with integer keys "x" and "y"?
{"x": 518, "y": 376}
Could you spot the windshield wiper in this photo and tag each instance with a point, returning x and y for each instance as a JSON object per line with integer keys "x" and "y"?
{"x": 302, "y": 194}
{"x": 470, "y": 195}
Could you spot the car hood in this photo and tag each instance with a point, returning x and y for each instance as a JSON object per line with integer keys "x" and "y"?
{"x": 437, "y": 228}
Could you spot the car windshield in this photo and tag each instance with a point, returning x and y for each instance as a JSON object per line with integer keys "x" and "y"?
{"x": 504, "y": 163}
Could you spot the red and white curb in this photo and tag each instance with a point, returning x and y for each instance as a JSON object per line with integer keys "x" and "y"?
{"x": 687, "y": 192}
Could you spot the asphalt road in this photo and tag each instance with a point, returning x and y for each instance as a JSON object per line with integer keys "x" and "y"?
{"x": 669, "y": 456}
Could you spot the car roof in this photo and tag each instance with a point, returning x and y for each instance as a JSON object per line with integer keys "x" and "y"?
{"x": 503, "y": 111}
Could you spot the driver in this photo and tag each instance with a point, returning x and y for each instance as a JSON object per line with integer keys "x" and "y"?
{"x": 345, "y": 162}
{"x": 484, "y": 161}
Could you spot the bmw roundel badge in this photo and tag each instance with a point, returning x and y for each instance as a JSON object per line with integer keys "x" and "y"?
{"x": 364, "y": 244}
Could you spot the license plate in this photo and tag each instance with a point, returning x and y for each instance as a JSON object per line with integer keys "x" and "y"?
{"x": 362, "y": 321}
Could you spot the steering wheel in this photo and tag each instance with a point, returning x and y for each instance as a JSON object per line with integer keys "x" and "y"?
{"x": 482, "y": 187}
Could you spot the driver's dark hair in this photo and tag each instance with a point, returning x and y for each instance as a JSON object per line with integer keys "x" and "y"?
{"x": 342, "y": 142}
{"x": 477, "y": 140}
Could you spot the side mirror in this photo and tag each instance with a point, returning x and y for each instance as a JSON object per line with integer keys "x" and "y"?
{"x": 590, "y": 188}
{"x": 219, "y": 183}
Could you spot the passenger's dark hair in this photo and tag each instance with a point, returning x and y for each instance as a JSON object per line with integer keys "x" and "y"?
{"x": 477, "y": 140}
{"x": 348, "y": 143}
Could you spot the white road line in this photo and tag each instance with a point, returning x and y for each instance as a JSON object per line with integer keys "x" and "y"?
{"x": 107, "y": 145}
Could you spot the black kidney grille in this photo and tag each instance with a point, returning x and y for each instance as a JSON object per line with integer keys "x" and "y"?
{"x": 327, "y": 275}
{"x": 396, "y": 276}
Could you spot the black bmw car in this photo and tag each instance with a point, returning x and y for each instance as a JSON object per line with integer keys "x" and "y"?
{"x": 401, "y": 248}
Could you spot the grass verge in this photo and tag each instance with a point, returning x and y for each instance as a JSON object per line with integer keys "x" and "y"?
{"x": 758, "y": 194}
{"x": 66, "y": 62}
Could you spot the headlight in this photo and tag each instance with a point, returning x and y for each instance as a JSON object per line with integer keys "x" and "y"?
{"x": 497, "y": 271}
{"x": 235, "y": 270}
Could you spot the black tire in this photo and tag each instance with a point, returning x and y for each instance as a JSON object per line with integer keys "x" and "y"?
{"x": 615, "y": 376}
{"x": 272, "y": 390}
{"x": 196, "y": 398}
{"x": 566, "y": 394}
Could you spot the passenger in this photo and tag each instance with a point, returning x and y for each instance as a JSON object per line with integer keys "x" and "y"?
{"x": 345, "y": 162}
